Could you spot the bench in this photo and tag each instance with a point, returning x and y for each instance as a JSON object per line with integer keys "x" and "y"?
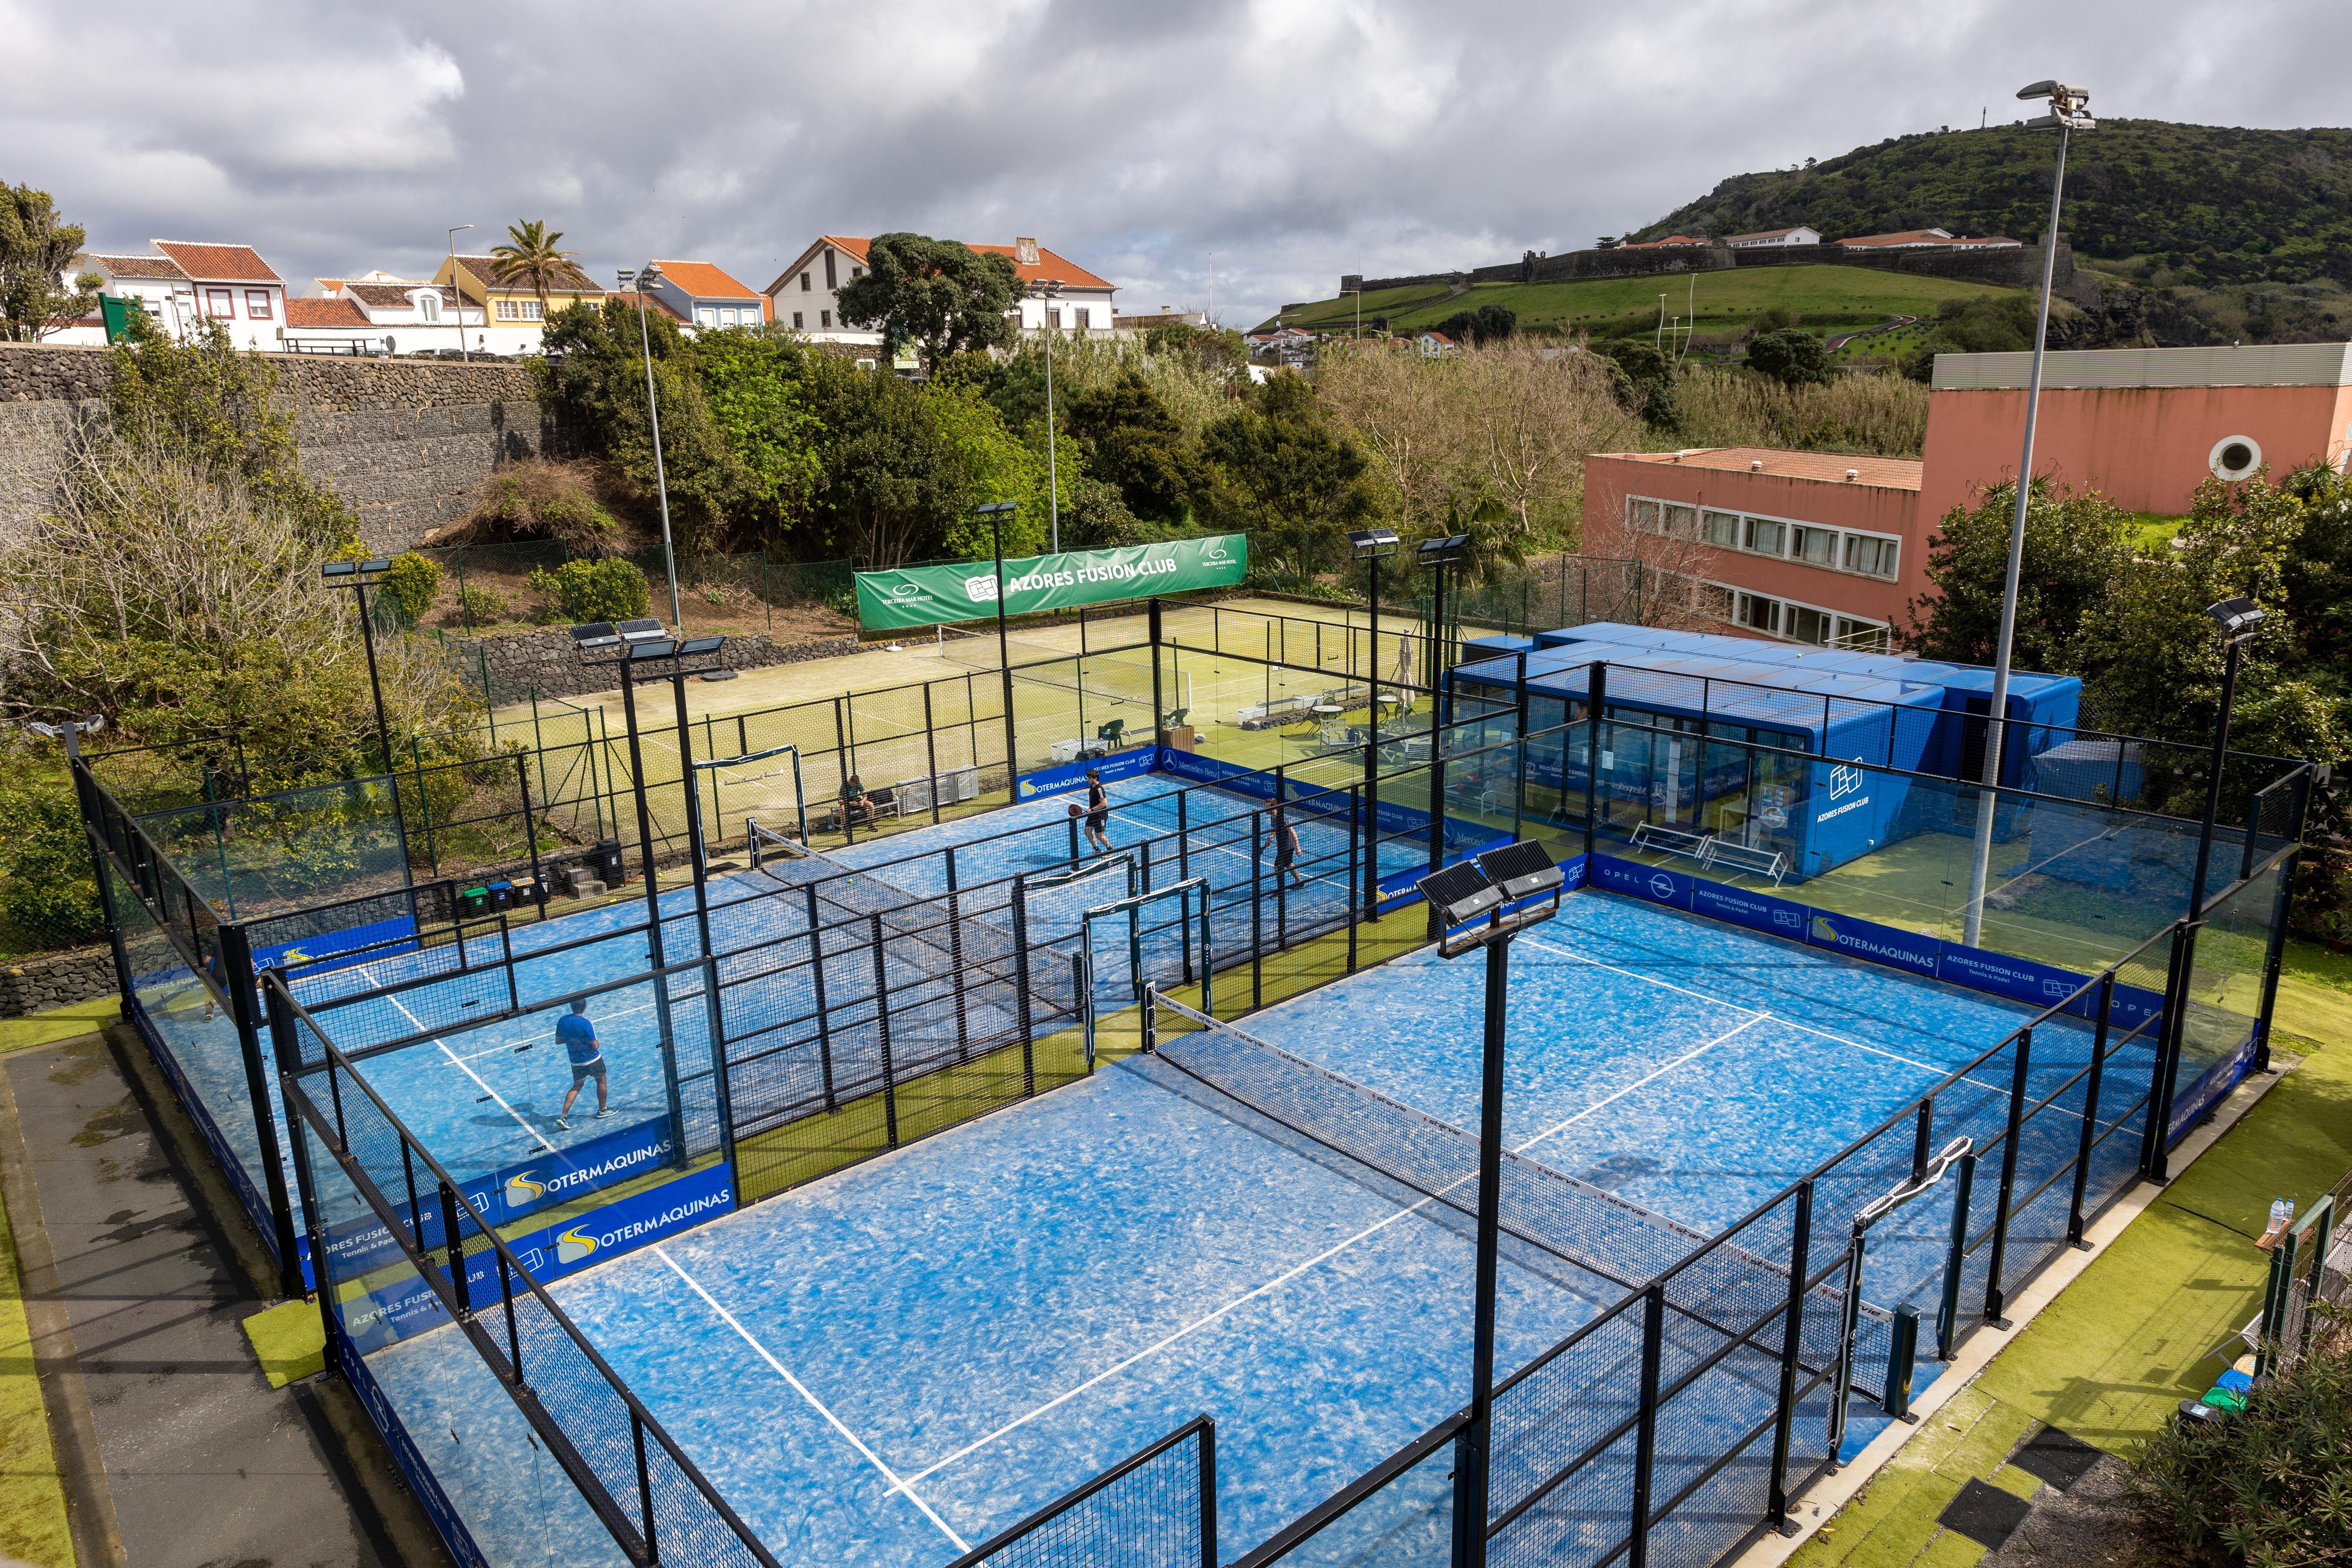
{"x": 1711, "y": 851}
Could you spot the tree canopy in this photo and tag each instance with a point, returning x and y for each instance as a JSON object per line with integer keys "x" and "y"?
{"x": 942, "y": 296}
{"x": 36, "y": 244}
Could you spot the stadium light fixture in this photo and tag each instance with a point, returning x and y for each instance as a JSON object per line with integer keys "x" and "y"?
{"x": 2238, "y": 618}
{"x": 1485, "y": 902}
{"x": 70, "y": 731}
{"x": 996, "y": 514}
{"x": 2066, "y": 116}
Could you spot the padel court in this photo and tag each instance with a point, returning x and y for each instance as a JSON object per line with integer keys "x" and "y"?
{"x": 892, "y": 1363}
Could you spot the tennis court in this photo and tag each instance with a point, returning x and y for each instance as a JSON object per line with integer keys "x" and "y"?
{"x": 892, "y": 1363}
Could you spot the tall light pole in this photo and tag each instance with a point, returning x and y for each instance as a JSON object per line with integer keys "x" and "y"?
{"x": 460, "y": 323}
{"x": 1474, "y": 904}
{"x": 640, "y": 280}
{"x": 357, "y": 575}
{"x": 1371, "y": 545}
{"x": 2065, "y": 117}
{"x": 996, "y": 514}
{"x": 1049, "y": 290}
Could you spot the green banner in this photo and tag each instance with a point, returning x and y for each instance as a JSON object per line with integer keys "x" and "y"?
{"x": 966, "y": 590}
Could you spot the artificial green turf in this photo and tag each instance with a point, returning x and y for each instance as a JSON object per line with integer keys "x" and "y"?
{"x": 59, "y": 1024}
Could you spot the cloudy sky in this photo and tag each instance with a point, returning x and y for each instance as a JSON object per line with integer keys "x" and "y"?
{"x": 1172, "y": 145}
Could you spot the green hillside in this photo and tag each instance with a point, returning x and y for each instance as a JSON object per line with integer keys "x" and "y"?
{"x": 1725, "y": 303}
{"x": 2211, "y": 206}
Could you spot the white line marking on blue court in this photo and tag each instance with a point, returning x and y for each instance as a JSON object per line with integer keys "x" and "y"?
{"x": 896, "y": 1485}
{"x": 460, "y": 1061}
{"x": 509, "y": 1046}
{"x": 1661, "y": 1072}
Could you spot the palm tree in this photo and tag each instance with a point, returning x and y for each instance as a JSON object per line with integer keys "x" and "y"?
{"x": 530, "y": 257}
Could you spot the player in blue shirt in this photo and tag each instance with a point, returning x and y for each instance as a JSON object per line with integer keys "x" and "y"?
{"x": 577, "y": 1036}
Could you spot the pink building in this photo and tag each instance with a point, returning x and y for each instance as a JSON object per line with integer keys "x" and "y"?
{"x": 1820, "y": 548}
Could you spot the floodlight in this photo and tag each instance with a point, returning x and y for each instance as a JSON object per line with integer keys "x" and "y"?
{"x": 652, "y": 648}
{"x": 2237, "y": 618}
{"x": 990, "y": 508}
{"x": 89, "y": 726}
{"x": 1461, "y": 892}
{"x": 652, "y": 274}
{"x": 375, "y": 564}
{"x": 1522, "y": 871}
{"x": 693, "y": 646}
{"x": 1440, "y": 552}
{"x": 338, "y": 568}
{"x": 1370, "y": 541}
{"x": 595, "y": 635}
{"x": 639, "y": 631}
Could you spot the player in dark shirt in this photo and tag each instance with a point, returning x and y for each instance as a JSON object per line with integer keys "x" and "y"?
{"x": 1097, "y": 812}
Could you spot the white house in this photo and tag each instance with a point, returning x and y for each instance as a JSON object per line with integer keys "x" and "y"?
{"x": 165, "y": 293}
{"x": 805, "y": 296}
{"x": 1801, "y": 234}
{"x": 1434, "y": 346}
{"x": 232, "y": 285}
{"x": 395, "y": 315}
{"x": 707, "y": 296}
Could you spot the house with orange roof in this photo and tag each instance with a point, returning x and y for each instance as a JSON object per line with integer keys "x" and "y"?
{"x": 513, "y": 310}
{"x": 183, "y": 284}
{"x": 396, "y": 316}
{"x": 805, "y": 296}
{"x": 706, "y": 296}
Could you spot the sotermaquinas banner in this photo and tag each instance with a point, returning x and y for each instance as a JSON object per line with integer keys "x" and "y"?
{"x": 966, "y": 590}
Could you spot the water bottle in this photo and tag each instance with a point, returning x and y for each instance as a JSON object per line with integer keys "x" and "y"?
{"x": 2281, "y": 1214}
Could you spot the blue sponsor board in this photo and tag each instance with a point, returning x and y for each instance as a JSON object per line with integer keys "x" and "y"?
{"x": 1126, "y": 764}
{"x": 2019, "y": 979}
{"x": 1572, "y": 870}
{"x": 1208, "y": 770}
{"x": 423, "y": 1484}
{"x": 512, "y": 1192}
{"x": 317, "y": 954}
{"x": 2190, "y": 1106}
{"x": 409, "y": 1306}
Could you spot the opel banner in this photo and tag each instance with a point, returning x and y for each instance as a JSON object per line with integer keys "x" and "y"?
{"x": 966, "y": 590}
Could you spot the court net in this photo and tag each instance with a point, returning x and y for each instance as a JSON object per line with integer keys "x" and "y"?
{"x": 1620, "y": 1245}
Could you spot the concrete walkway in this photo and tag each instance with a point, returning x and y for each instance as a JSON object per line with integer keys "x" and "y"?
{"x": 137, "y": 1268}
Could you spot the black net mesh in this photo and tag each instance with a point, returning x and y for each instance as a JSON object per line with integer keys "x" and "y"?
{"x": 1153, "y": 1510}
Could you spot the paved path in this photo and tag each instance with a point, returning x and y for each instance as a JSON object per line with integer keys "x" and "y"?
{"x": 136, "y": 1288}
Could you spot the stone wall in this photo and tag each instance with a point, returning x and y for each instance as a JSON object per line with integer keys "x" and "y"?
{"x": 55, "y": 980}
{"x": 2018, "y": 268}
{"x": 514, "y": 665}
{"x": 405, "y": 442}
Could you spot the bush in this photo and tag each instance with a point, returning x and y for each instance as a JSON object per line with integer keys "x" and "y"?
{"x": 483, "y": 606}
{"x": 47, "y": 897}
{"x": 2271, "y": 1487}
{"x": 1791, "y": 357}
{"x": 607, "y": 590}
{"x": 412, "y": 582}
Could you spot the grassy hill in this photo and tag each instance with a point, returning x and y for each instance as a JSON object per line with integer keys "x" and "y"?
{"x": 1826, "y": 298}
{"x": 2209, "y": 206}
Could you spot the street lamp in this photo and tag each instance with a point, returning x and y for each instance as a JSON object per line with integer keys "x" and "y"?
{"x": 643, "y": 280}
{"x": 1371, "y": 545}
{"x": 1484, "y": 903}
{"x": 2066, "y": 116}
{"x": 1049, "y": 290}
{"x": 460, "y": 323}
{"x": 996, "y": 514}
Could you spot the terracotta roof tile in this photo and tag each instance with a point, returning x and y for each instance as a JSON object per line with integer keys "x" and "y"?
{"x": 1049, "y": 264}
{"x": 706, "y": 282}
{"x": 393, "y": 294}
{"x": 324, "y": 313}
{"x": 138, "y": 266}
{"x": 631, "y": 299}
{"x": 218, "y": 263}
{"x": 568, "y": 280}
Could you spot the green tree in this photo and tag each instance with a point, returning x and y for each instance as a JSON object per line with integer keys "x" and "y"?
{"x": 1646, "y": 381}
{"x": 530, "y": 257}
{"x": 1979, "y": 324}
{"x": 592, "y": 377}
{"x": 756, "y": 384}
{"x": 1486, "y": 324}
{"x": 942, "y": 296}
{"x": 1133, "y": 441}
{"x": 993, "y": 465}
{"x": 1789, "y": 356}
{"x": 411, "y": 586}
{"x": 36, "y": 245}
{"x": 2075, "y": 550}
{"x": 893, "y": 484}
{"x": 1286, "y": 476}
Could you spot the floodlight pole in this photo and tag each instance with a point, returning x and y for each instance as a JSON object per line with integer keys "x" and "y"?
{"x": 1048, "y": 291}
{"x": 1470, "y": 1500}
{"x": 996, "y": 512}
{"x": 1996, "y": 719}
{"x": 654, "y": 948}
{"x": 375, "y": 682}
{"x": 2213, "y": 785}
{"x": 653, "y": 411}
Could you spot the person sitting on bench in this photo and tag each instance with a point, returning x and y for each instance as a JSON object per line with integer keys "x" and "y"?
{"x": 856, "y": 806}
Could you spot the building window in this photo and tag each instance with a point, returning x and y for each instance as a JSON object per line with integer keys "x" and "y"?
{"x": 830, "y": 282}
{"x": 1805, "y": 623}
{"x": 707, "y": 316}
{"x": 220, "y": 304}
{"x": 797, "y": 322}
{"x": 1760, "y": 613}
{"x": 1866, "y": 635}
{"x": 1787, "y": 618}
{"x": 1054, "y": 318}
{"x": 428, "y": 307}
{"x": 1814, "y": 546}
{"x": 824, "y": 320}
{"x": 1766, "y": 536}
{"x": 857, "y": 272}
{"x": 1720, "y": 528}
{"x": 1870, "y": 555}
{"x": 1641, "y": 514}
{"x": 257, "y": 303}
{"x": 1085, "y": 317}
{"x": 804, "y": 283}
{"x": 519, "y": 311}
{"x": 1714, "y": 601}
{"x": 1678, "y": 521}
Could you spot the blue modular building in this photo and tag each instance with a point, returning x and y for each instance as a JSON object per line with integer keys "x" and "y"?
{"x": 1754, "y": 743}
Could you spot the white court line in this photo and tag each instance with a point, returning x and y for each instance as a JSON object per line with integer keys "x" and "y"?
{"x": 815, "y": 1404}
{"x": 1283, "y": 1278}
{"x": 470, "y": 1073}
